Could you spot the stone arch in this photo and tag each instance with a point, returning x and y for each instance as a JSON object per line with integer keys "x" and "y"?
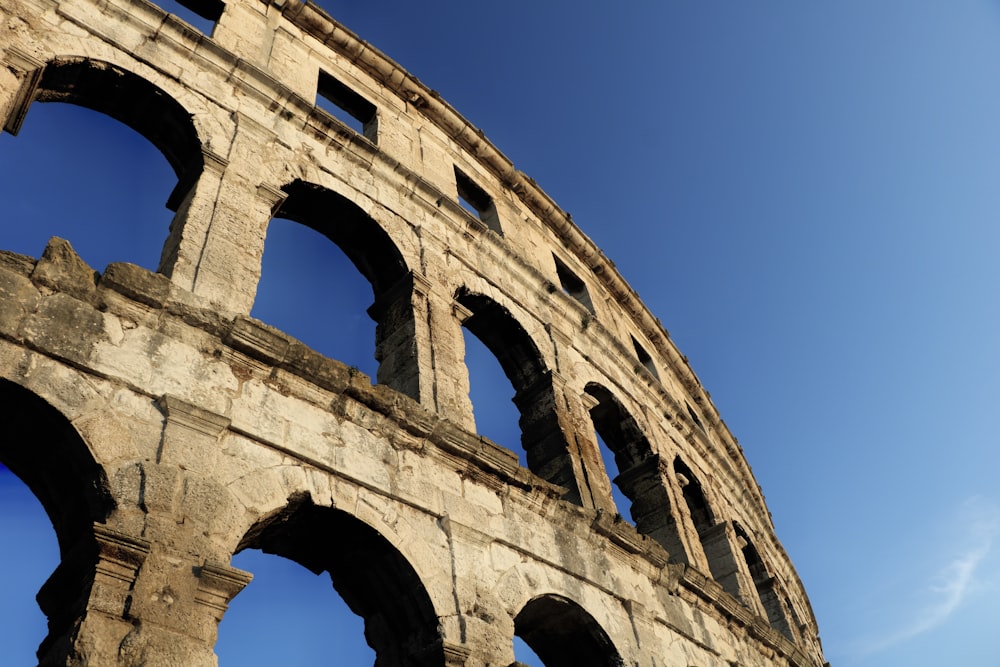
{"x": 377, "y": 257}
{"x": 564, "y": 634}
{"x": 763, "y": 582}
{"x": 375, "y": 580}
{"x": 114, "y": 91}
{"x": 43, "y": 449}
{"x": 714, "y": 537}
{"x": 542, "y": 435}
{"x": 641, "y": 474}
{"x": 129, "y": 99}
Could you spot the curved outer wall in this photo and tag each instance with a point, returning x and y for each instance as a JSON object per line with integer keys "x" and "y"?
{"x": 201, "y": 431}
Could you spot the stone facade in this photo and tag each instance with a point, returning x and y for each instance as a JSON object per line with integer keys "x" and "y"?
{"x": 164, "y": 430}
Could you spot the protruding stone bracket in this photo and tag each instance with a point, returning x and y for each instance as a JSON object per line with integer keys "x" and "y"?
{"x": 589, "y": 402}
{"x": 461, "y": 313}
{"x": 119, "y": 557}
{"x": 30, "y": 71}
{"x": 189, "y": 434}
{"x": 214, "y": 162}
{"x": 455, "y": 655}
{"x": 218, "y": 584}
{"x": 274, "y": 197}
{"x": 199, "y": 420}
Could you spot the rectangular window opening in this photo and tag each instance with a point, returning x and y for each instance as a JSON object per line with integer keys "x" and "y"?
{"x": 694, "y": 417}
{"x": 475, "y": 200}
{"x": 200, "y": 14}
{"x": 573, "y": 286}
{"x": 347, "y": 106}
{"x": 644, "y": 358}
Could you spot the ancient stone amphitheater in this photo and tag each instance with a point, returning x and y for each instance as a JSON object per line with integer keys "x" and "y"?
{"x": 164, "y": 430}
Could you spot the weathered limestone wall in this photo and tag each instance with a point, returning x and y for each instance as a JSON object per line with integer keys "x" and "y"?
{"x": 193, "y": 431}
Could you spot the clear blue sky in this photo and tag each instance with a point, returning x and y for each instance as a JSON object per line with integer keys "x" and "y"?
{"x": 805, "y": 193}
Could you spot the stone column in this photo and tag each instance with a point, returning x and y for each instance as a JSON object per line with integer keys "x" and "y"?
{"x": 546, "y": 432}
{"x": 652, "y": 509}
{"x": 217, "y": 238}
{"x": 88, "y": 599}
{"x": 721, "y": 546}
{"x": 402, "y": 338}
{"x": 450, "y": 374}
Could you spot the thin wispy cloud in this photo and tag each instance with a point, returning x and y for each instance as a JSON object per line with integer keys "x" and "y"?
{"x": 951, "y": 586}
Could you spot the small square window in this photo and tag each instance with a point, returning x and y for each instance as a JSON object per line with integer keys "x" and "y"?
{"x": 475, "y": 200}
{"x": 200, "y": 14}
{"x": 644, "y": 358}
{"x": 572, "y": 285}
{"x": 347, "y": 106}
{"x": 694, "y": 417}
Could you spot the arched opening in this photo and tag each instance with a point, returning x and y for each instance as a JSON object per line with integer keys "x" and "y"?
{"x": 43, "y": 450}
{"x": 542, "y": 437}
{"x": 374, "y": 579}
{"x": 694, "y": 497}
{"x": 82, "y": 176}
{"x": 309, "y": 289}
{"x": 288, "y": 616}
{"x": 763, "y": 583}
{"x": 338, "y": 306}
{"x": 562, "y": 634}
{"x": 496, "y": 415}
{"x": 30, "y": 557}
{"x": 637, "y": 474}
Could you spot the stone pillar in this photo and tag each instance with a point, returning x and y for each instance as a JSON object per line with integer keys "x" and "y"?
{"x": 546, "y": 433}
{"x": 646, "y": 483}
{"x": 88, "y": 599}
{"x": 720, "y": 543}
{"x": 450, "y": 374}
{"x": 596, "y": 480}
{"x": 176, "y": 607}
{"x": 217, "y": 238}
{"x": 402, "y": 338}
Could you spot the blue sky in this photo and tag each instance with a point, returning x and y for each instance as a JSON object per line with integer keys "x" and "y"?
{"x": 806, "y": 194}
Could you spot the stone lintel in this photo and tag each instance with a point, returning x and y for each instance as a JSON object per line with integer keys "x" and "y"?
{"x": 258, "y": 340}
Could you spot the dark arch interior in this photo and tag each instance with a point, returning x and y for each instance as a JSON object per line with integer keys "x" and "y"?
{"x": 375, "y": 255}
{"x": 342, "y": 221}
{"x": 372, "y": 577}
{"x": 43, "y": 449}
{"x": 697, "y": 504}
{"x": 542, "y": 435}
{"x": 134, "y": 101}
{"x": 507, "y": 340}
{"x": 618, "y": 429}
{"x": 563, "y": 634}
